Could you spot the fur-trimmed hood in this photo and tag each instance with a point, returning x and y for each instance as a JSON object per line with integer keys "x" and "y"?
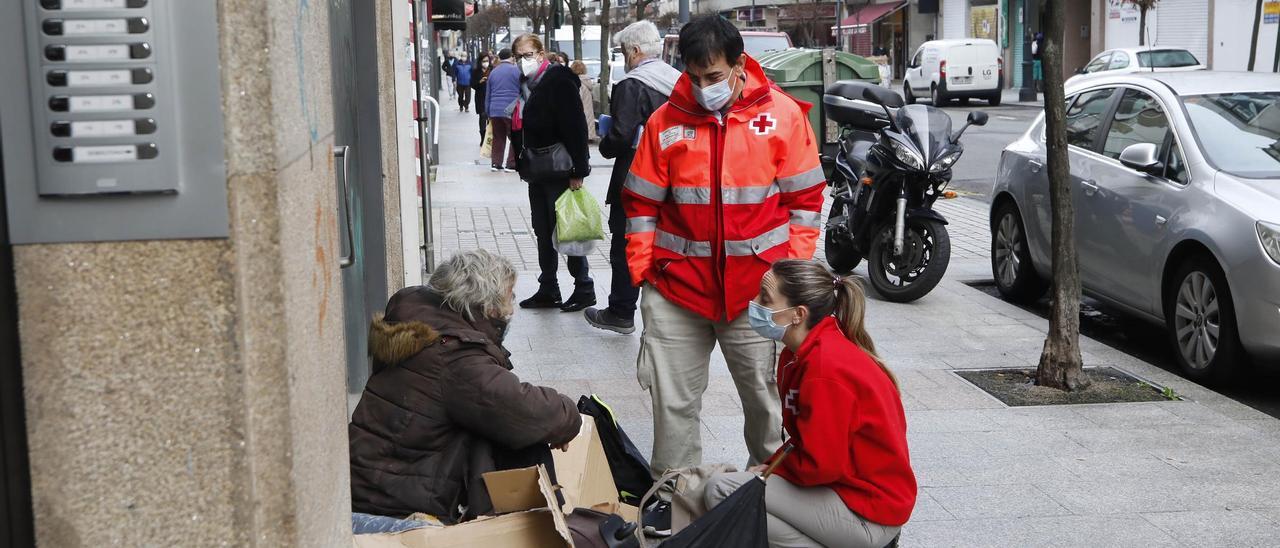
{"x": 392, "y": 343}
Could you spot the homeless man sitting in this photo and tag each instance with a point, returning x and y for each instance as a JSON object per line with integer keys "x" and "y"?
{"x": 442, "y": 406}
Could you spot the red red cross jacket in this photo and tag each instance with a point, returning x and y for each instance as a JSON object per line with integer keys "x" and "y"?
{"x": 844, "y": 417}
{"x": 710, "y": 205}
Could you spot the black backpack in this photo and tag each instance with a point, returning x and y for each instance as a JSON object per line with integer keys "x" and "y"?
{"x": 630, "y": 469}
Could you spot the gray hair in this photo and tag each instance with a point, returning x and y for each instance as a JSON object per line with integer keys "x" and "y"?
{"x": 640, "y": 34}
{"x": 475, "y": 280}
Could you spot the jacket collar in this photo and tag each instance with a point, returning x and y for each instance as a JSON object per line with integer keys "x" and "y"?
{"x": 754, "y": 94}
{"x": 828, "y": 327}
{"x": 420, "y": 304}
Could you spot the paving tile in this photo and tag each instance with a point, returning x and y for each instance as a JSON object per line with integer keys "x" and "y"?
{"x": 995, "y": 501}
{"x": 1125, "y": 531}
{"x": 1218, "y": 527}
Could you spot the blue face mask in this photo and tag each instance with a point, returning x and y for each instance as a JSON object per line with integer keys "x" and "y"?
{"x": 761, "y": 319}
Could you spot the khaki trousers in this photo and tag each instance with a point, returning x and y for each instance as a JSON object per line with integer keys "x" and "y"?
{"x": 804, "y": 517}
{"x": 675, "y": 356}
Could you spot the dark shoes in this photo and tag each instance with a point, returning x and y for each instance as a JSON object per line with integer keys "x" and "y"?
{"x": 579, "y": 300}
{"x": 607, "y": 320}
{"x": 542, "y": 299}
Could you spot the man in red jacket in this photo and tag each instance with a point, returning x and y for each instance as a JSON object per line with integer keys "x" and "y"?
{"x": 726, "y": 180}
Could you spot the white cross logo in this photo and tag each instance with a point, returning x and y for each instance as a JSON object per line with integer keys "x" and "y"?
{"x": 792, "y": 396}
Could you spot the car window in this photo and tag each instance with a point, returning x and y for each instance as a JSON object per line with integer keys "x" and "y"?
{"x": 1085, "y": 115}
{"x": 1119, "y": 60}
{"x": 915, "y": 61}
{"x": 1168, "y": 58}
{"x": 1138, "y": 119}
{"x": 1238, "y": 132}
{"x": 1098, "y": 63}
{"x": 1175, "y": 165}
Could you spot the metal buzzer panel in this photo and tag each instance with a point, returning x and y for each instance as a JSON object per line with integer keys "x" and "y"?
{"x": 103, "y": 116}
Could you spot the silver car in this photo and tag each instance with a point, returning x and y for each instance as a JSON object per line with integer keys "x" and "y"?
{"x": 1176, "y": 184}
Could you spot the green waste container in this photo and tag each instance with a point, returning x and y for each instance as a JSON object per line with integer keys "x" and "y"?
{"x": 799, "y": 73}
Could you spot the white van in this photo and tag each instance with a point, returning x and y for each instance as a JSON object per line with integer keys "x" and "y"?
{"x": 955, "y": 69}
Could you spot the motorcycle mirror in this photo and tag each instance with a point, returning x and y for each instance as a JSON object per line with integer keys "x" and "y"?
{"x": 978, "y": 118}
{"x": 884, "y": 97}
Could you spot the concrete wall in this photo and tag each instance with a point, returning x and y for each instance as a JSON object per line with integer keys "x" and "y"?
{"x": 188, "y": 393}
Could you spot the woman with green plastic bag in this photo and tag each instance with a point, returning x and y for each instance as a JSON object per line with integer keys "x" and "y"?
{"x": 553, "y": 158}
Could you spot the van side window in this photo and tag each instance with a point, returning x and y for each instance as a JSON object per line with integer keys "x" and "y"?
{"x": 915, "y": 61}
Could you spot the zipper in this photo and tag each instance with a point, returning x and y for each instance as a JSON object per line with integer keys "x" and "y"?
{"x": 717, "y": 203}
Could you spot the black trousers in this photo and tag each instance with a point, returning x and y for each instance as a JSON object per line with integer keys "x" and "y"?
{"x": 542, "y": 203}
{"x": 464, "y": 96}
{"x": 622, "y": 294}
{"x": 484, "y": 124}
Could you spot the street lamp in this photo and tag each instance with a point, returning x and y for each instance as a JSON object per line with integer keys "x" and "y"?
{"x": 1028, "y": 91}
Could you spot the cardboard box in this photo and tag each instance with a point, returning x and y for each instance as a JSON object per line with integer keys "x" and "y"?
{"x": 583, "y": 470}
{"x": 526, "y": 503}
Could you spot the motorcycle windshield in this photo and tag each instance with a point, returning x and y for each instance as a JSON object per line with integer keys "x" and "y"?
{"x": 928, "y": 127}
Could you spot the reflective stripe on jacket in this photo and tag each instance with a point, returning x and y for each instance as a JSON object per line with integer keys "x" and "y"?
{"x": 711, "y": 205}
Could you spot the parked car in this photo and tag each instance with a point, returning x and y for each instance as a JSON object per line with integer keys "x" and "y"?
{"x": 1176, "y": 183}
{"x": 1126, "y": 60}
{"x": 755, "y": 42}
{"x": 943, "y": 70}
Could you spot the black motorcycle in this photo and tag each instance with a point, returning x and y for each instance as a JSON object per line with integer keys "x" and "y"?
{"x": 891, "y": 166}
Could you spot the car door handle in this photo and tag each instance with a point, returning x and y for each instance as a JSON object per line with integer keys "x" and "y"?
{"x": 1090, "y": 187}
{"x": 1035, "y": 166}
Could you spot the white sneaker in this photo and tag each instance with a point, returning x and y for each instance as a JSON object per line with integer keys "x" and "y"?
{"x": 508, "y": 170}
{"x": 494, "y": 169}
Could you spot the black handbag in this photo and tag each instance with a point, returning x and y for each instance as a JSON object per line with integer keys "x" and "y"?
{"x": 547, "y": 163}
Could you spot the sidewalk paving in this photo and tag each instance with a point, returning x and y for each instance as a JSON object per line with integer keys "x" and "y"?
{"x": 1195, "y": 472}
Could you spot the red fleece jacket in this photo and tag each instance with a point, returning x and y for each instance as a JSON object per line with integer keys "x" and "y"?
{"x": 844, "y": 416}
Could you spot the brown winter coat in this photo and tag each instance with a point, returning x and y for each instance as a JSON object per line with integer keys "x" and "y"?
{"x": 442, "y": 408}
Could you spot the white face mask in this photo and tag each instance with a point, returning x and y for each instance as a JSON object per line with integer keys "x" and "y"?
{"x": 715, "y": 96}
{"x": 529, "y": 66}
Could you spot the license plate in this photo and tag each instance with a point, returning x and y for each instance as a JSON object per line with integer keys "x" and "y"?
{"x": 961, "y": 79}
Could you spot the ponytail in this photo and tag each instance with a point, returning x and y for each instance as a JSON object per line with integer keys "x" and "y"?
{"x": 813, "y": 285}
{"x": 850, "y": 313}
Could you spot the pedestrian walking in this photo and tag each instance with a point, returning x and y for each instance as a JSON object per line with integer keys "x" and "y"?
{"x": 442, "y": 406}
{"x": 503, "y": 90}
{"x": 549, "y": 114}
{"x": 446, "y": 68}
{"x": 646, "y": 86}
{"x": 725, "y": 182}
{"x": 847, "y": 480}
{"x": 479, "y": 83}
{"x": 586, "y": 93}
{"x": 462, "y": 76}
{"x": 1037, "y": 63}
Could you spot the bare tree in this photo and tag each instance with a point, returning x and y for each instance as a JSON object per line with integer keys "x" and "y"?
{"x": 606, "y": 55}
{"x": 578, "y": 18}
{"x": 1143, "y": 6}
{"x": 1060, "y": 361}
{"x": 642, "y": 9}
{"x": 536, "y": 10}
{"x": 484, "y": 23}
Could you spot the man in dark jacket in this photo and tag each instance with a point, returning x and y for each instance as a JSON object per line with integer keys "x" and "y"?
{"x": 645, "y": 87}
{"x": 442, "y": 406}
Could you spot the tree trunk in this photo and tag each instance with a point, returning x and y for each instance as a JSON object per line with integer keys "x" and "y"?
{"x": 1060, "y": 362}
{"x": 576, "y": 16}
{"x": 606, "y": 57}
{"x": 1142, "y": 25}
{"x": 1253, "y": 44}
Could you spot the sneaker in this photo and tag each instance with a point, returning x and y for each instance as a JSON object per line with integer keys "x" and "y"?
{"x": 495, "y": 169}
{"x": 579, "y": 300}
{"x": 509, "y": 169}
{"x": 542, "y": 299}
{"x": 607, "y": 320}
{"x": 657, "y": 519}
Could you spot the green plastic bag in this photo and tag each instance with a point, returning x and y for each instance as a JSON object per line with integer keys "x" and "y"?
{"x": 578, "y": 217}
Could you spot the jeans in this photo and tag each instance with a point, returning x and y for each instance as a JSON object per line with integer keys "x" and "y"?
{"x": 502, "y": 134}
{"x": 622, "y": 293}
{"x": 464, "y": 96}
{"x": 542, "y": 203}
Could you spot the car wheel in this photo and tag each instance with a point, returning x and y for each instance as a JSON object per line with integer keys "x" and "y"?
{"x": 994, "y": 100}
{"x": 907, "y": 96}
{"x": 937, "y": 96}
{"x": 1015, "y": 275}
{"x": 1201, "y": 321}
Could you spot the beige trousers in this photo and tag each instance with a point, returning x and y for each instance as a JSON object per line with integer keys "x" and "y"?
{"x": 675, "y": 356}
{"x": 804, "y": 517}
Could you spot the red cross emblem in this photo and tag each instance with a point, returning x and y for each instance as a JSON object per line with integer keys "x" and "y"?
{"x": 763, "y": 124}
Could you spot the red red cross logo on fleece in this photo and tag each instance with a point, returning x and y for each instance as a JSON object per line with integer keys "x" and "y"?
{"x": 763, "y": 124}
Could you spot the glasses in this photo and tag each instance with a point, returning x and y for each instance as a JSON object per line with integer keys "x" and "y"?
{"x": 524, "y": 56}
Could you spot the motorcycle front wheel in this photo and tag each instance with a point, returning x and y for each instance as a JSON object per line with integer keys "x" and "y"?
{"x": 840, "y": 253}
{"x": 926, "y": 250}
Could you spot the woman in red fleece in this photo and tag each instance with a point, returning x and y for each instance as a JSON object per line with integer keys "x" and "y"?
{"x": 847, "y": 480}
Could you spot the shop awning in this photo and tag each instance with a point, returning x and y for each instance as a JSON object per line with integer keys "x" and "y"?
{"x": 870, "y": 13}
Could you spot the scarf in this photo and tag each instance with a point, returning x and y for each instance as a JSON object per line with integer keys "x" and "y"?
{"x": 526, "y": 90}
{"x": 655, "y": 74}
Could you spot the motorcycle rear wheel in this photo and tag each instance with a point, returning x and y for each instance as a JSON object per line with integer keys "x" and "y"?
{"x": 926, "y": 251}
{"x": 840, "y": 253}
